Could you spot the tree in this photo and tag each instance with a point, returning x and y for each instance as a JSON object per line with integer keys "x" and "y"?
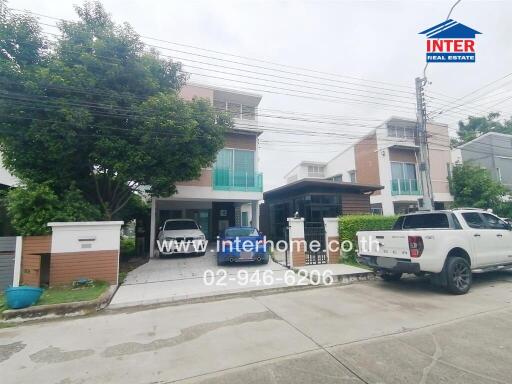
{"x": 70, "y": 206}
{"x": 473, "y": 186}
{"x": 98, "y": 110}
{"x": 477, "y": 126}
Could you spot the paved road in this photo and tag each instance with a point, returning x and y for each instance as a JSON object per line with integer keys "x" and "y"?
{"x": 372, "y": 332}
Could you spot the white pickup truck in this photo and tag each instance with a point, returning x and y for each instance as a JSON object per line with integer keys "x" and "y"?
{"x": 449, "y": 245}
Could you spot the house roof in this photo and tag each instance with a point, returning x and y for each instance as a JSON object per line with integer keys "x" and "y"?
{"x": 306, "y": 162}
{"x": 327, "y": 185}
{"x": 246, "y": 131}
{"x": 477, "y": 139}
{"x": 450, "y": 29}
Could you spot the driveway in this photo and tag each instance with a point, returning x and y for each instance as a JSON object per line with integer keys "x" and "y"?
{"x": 176, "y": 278}
{"x": 372, "y": 332}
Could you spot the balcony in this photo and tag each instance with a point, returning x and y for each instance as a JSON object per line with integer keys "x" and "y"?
{"x": 405, "y": 187}
{"x": 227, "y": 180}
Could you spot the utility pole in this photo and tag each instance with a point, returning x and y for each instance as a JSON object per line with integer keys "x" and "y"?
{"x": 421, "y": 132}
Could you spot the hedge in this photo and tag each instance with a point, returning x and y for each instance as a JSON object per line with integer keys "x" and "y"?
{"x": 349, "y": 225}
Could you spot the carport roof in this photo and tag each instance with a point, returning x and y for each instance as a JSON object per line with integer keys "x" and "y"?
{"x": 303, "y": 185}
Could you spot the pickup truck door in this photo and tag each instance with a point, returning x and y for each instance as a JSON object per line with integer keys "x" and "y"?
{"x": 502, "y": 238}
{"x": 483, "y": 240}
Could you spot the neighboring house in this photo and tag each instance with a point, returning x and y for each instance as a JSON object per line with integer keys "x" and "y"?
{"x": 313, "y": 199}
{"x": 6, "y": 179}
{"x": 388, "y": 156}
{"x": 492, "y": 151}
{"x": 229, "y": 192}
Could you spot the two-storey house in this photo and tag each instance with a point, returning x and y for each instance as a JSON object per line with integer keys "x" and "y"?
{"x": 492, "y": 151}
{"x": 229, "y": 192}
{"x": 389, "y": 156}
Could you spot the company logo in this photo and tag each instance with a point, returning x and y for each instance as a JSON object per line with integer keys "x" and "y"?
{"x": 450, "y": 42}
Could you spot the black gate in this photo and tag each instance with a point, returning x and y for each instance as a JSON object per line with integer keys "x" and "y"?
{"x": 314, "y": 235}
{"x": 286, "y": 232}
{"x": 7, "y": 255}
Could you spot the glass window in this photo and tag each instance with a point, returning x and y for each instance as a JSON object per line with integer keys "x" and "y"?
{"x": 399, "y": 223}
{"x": 397, "y": 171}
{"x": 175, "y": 225}
{"x": 352, "y": 175}
{"x": 456, "y": 222}
{"x": 403, "y": 171}
{"x": 219, "y": 105}
{"x": 473, "y": 219}
{"x": 234, "y": 109}
{"x": 410, "y": 171}
{"x": 428, "y": 220}
{"x": 244, "y": 168}
{"x": 248, "y": 112}
{"x": 315, "y": 170}
{"x": 241, "y": 232}
{"x": 494, "y": 222}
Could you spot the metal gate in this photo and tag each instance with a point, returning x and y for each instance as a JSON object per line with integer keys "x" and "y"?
{"x": 314, "y": 235}
{"x": 7, "y": 255}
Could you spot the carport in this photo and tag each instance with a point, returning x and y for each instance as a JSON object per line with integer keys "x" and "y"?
{"x": 213, "y": 215}
{"x": 163, "y": 280}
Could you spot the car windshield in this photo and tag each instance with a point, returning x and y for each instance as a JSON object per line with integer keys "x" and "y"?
{"x": 241, "y": 232}
{"x": 429, "y": 220}
{"x": 179, "y": 224}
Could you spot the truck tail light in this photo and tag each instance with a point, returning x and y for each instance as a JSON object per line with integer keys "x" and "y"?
{"x": 415, "y": 246}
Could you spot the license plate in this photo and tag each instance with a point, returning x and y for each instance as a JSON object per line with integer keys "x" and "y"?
{"x": 386, "y": 262}
{"x": 246, "y": 255}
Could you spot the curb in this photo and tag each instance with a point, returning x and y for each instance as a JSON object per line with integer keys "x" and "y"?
{"x": 339, "y": 280}
{"x": 76, "y": 308}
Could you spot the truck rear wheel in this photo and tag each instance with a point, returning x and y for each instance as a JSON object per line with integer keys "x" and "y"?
{"x": 458, "y": 275}
{"x": 391, "y": 276}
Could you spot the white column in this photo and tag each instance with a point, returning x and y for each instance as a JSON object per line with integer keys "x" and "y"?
{"x": 152, "y": 229}
{"x": 295, "y": 236}
{"x": 331, "y": 235}
{"x": 17, "y": 262}
{"x": 255, "y": 214}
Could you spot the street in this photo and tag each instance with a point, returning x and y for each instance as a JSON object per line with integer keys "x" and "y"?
{"x": 371, "y": 332}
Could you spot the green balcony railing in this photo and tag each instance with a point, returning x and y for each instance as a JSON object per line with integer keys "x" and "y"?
{"x": 227, "y": 180}
{"x": 405, "y": 187}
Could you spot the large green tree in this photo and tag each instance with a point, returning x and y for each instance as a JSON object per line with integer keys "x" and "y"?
{"x": 94, "y": 109}
{"x": 474, "y": 186}
{"x": 478, "y": 125}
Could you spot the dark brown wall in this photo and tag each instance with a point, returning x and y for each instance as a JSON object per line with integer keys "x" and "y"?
{"x": 367, "y": 161}
{"x": 33, "y": 247}
{"x": 402, "y": 155}
{"x": 95, "y": 265}
{"x": 354, "y": 203}
{"x": 240, "y": 141}
{"x": 205, "y": 180}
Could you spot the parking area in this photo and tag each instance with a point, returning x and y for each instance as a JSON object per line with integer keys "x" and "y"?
{"x": 185, "y": 277}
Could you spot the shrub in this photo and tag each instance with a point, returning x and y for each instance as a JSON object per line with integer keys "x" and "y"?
{"x": 349, "y": 225}
{"x": 33, "y": 206}
{"x": 127, "y": 248}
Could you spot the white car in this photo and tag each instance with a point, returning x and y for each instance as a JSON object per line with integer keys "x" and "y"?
{"x": 181, "y": 236}
{"x": 448, "y": 245}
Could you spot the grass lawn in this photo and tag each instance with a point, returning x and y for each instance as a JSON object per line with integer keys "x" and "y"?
{"x": 354, "y": 263}
{"x": 65, "y": 294}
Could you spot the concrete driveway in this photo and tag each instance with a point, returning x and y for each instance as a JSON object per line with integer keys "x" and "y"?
{"x": 372, "y": 332}
{"x": 179, "y": 277}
